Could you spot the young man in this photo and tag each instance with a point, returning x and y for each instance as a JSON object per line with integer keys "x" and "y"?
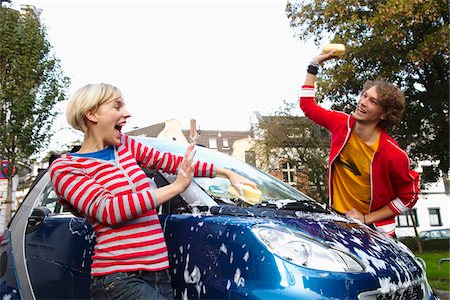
{"x": 369, "y": 175}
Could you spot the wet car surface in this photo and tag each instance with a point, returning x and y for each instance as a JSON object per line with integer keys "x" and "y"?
{"x": 221, "y": 246}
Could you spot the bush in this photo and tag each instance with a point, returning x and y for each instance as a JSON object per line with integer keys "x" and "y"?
{"x": 438, "y": 274}
{"x": 427, "y": 245}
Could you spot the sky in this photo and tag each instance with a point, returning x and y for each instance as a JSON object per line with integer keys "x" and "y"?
{"x": 214, "y": 61}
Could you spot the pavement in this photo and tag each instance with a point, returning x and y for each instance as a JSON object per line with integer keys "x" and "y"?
{"x": 443, "y": 295}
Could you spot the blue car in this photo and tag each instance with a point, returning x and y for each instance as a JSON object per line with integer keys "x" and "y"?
{"x": 280, "y": 244}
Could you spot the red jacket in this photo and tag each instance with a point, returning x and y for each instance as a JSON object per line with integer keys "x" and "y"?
{"x": 393, "y": 183}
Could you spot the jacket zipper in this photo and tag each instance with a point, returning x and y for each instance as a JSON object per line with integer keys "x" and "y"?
{"x": 349, "y": 130}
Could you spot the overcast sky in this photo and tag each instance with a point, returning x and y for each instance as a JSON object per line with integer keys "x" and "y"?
{"x": 214, "y": 61}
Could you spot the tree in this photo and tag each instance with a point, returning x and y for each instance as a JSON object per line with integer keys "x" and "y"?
{"x": 31, "y": 83}
{"x": 283, "y": 137}
{"x": 403, "y": 41}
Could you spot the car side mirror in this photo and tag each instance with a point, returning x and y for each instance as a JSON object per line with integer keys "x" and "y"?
{"x": 37, "y": 218}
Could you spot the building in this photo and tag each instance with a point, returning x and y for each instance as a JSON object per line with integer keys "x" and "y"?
{"x": 238, "y": 144}
{"x": 234, "y": 143}
{"x": 432, "y": 210}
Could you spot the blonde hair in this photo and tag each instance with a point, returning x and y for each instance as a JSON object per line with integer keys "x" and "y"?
{"x": 86, "y": 98}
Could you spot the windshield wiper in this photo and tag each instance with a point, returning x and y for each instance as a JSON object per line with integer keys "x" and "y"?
{"x": 292, "y": 205}
{"x": 268, "y": 209}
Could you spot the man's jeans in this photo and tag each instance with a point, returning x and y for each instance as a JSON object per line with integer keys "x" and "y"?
{"x": 132, "y": 285}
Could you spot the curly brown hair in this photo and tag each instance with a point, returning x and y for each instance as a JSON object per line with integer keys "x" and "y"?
{"x": 392, "y": 100}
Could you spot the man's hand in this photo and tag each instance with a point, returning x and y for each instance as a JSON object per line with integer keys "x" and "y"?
{"x": 355, "y": 214}
{"x": 324, "y": 57}
{"x": 310, "y": 78}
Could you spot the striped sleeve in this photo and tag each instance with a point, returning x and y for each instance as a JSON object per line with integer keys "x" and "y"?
{"x": 89, "y": 197}
{"x": 165, "y": 161}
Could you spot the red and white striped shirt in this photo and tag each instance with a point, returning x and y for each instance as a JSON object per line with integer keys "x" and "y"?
{"x": 117, "y": 199}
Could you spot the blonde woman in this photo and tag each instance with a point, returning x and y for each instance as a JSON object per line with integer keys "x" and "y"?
{"x": 104, "y": 182}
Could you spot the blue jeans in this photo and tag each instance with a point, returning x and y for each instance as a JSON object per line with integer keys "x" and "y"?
{"x": 132, "y": 285}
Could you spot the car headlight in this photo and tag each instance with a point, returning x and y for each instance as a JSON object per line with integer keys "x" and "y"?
{"x": 304, "y": 251}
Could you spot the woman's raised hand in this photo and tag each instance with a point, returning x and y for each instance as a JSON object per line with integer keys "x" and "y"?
{"x": 186, "y": 169}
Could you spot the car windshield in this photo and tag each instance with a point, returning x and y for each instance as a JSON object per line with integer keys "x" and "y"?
{"x": 446, "y": 233}
{"x": 272, "y": 189}
{"x": 423, "y": 234}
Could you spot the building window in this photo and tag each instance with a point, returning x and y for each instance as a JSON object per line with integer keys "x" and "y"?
{"x": 225, "y": 144}
{"x": 435, "y": 217}
{"x": 213, "y": 143}
{"x": 288, "y": 173}
{"x": 404, "y": 219}
{"x": 430, "y": 174}
{"x": 250, "y": 158}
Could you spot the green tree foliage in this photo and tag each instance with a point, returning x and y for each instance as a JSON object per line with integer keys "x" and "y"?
{"x": 31, "y": 83}
{"x": 403, "y": 41}
{"x": 286, "y": 138}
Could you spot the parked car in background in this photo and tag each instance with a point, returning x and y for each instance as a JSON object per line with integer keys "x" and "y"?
{"x": 283, "y": 245}
{"x": 435, "y": 234}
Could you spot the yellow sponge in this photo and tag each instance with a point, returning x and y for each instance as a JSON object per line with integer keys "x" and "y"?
{"x": 340, "y": 49}
{"x": 251, "y": 196}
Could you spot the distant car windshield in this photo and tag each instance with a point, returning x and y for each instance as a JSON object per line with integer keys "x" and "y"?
{"x": 272, "y": 189}
{"x": 435, "y": 234}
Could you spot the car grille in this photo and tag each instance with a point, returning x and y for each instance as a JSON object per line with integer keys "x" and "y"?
{"x": 412, "y": 292}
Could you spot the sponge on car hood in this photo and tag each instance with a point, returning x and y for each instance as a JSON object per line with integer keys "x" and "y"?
{"x": 250, "y": 195}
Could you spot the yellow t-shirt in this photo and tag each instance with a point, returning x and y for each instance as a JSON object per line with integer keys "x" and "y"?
{"x": 351, "y": 175}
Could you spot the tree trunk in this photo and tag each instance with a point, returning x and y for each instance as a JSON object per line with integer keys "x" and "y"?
{"x": 419, "y": 242}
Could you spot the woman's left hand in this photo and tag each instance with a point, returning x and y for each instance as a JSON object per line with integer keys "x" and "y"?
{"x": 236, "y": 180}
